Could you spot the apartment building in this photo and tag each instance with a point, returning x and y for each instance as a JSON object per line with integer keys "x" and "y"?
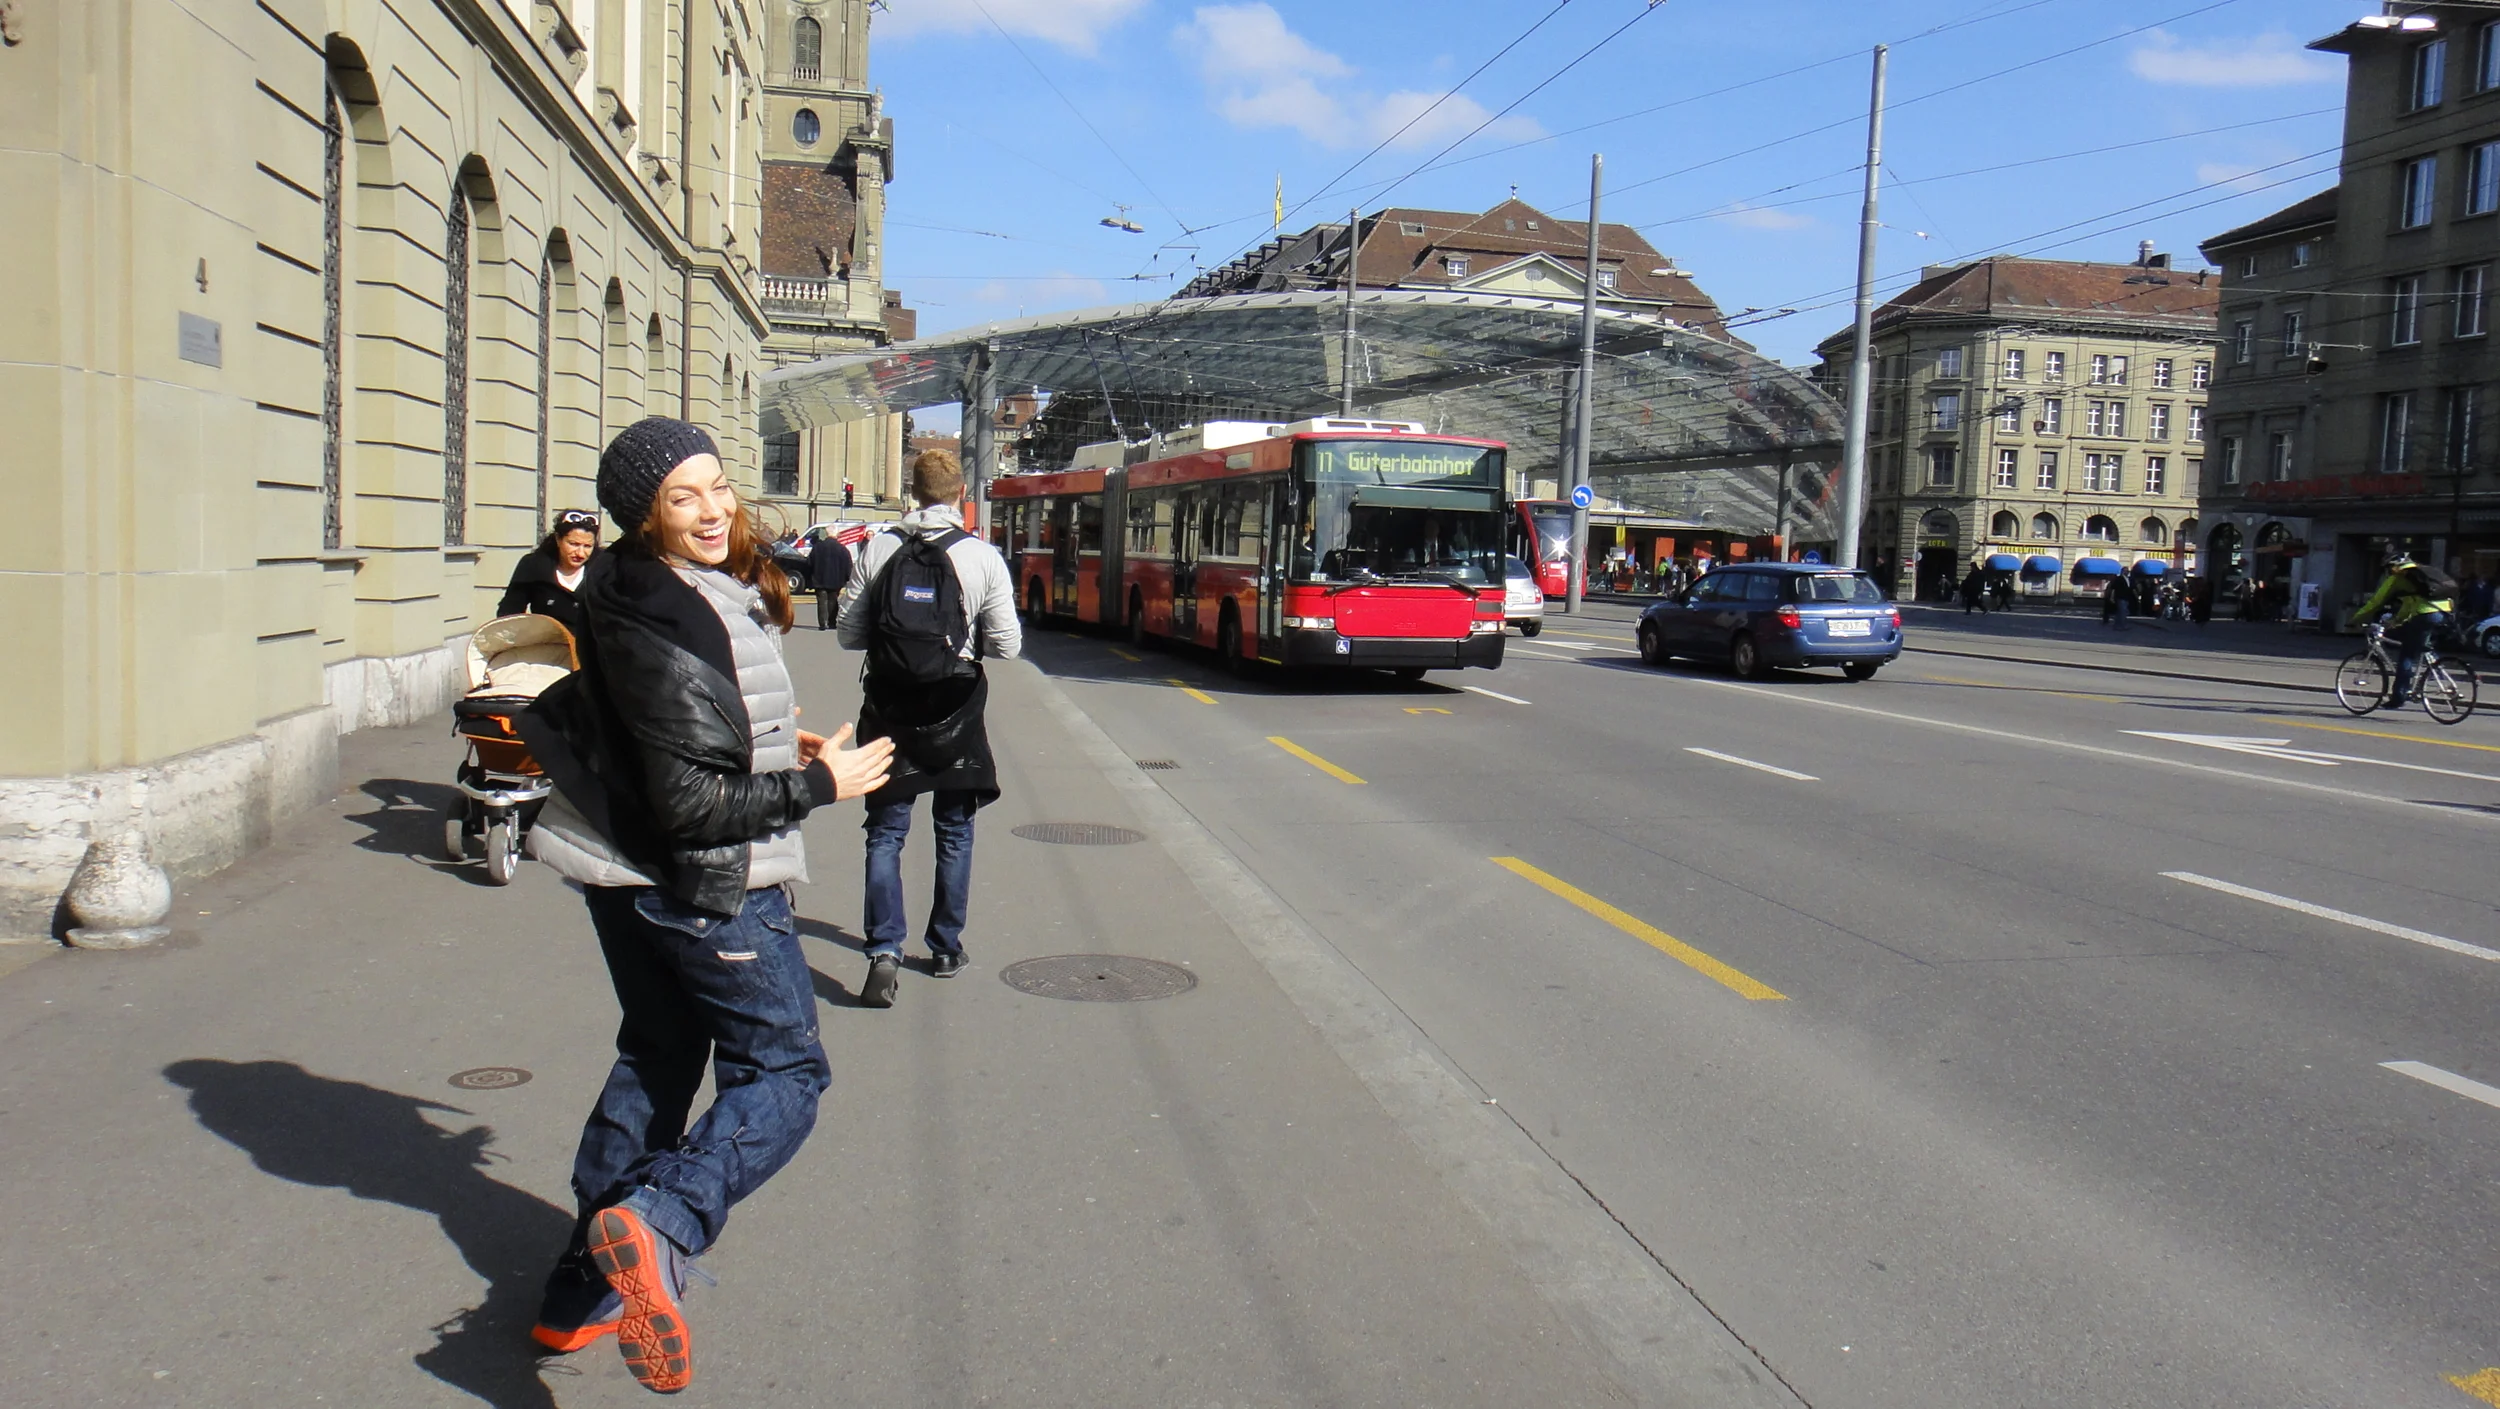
{"x": 320, "y": 311}
{"x": 2357, "y": 374}
{"x": 2052, "y": 410}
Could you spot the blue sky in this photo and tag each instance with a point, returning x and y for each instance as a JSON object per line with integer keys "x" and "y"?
{"x": 1022, "y": 123}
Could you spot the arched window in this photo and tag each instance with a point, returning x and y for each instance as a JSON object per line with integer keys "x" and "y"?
{"x": 2044, "y": 527}
{"x": 2101, "y": 528}
{"x": 2004, "y": 525}
{"x": 805, "y": 128}
{"x": 2154, "y": 531}
{"x": 654, "y": 367}
{"x": 807, "y": 50}
{"x": 456, "y": 367}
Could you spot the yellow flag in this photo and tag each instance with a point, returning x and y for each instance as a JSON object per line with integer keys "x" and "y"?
{"x": 1280, "y": 200}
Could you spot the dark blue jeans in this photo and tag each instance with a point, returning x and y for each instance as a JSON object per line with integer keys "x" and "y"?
{"x": 698, "y": 987}
{"x": 950, "y": 815}
{"x": 2412, "y": 639}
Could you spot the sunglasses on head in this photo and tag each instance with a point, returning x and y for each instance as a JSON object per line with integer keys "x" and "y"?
{"x": 572, "y": 519}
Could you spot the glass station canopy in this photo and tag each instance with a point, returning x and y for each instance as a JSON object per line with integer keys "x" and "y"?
{"x": 1685, "y": 426}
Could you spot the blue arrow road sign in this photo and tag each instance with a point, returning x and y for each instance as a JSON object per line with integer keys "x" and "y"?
{"x": 1581, "y": 498}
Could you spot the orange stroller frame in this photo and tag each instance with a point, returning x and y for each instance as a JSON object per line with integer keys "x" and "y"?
{"x": 502, "y": 788}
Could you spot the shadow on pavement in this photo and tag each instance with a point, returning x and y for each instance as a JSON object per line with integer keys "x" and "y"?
{"x": 378, "y": 1145}
{"x": 1063, "y": 659}
{"x": 409, "y": 823}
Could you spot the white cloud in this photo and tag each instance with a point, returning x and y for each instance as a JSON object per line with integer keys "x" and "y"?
{"x": 2267, "y": 61}
{"x": 1259, "y": 73}
{"x": 1754, "y": 217}
{"x": 1076, "y": 25}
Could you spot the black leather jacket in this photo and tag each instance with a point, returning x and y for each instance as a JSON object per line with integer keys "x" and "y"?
{"x": 650, "y": 739}
{"x": 534, "y": 589}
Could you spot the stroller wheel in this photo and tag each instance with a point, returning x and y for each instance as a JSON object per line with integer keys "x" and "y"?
{"x": 456, "y": 831}
{"x": 503, "y": 851}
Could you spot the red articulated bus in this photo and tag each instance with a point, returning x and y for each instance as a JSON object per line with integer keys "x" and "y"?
{"x": 1322, "y": 543}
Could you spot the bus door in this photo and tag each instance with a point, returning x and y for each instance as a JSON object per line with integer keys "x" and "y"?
{"x": 1110, "y": 539}
{"x": 1063, "y": 556}
{"x": 1275, "y": 549}
{"x": 1184, "y": 531}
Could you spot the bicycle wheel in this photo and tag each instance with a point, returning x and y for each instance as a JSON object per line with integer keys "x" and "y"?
{"x": 2449, "y": 690}
{"x": 2361, "y": 682}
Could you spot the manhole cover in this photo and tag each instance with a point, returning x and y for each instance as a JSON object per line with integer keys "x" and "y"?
{"x": 1098, "y": 978}
{"x": 488, "y": 1078}
{"x": 1157, "y": 765}
{"x": 1079, "y": 833}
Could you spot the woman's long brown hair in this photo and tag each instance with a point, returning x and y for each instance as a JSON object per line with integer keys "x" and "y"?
{"x": 750, "y": 560}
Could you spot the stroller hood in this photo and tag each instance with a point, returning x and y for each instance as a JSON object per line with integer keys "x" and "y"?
{"x": 519, "y": 656}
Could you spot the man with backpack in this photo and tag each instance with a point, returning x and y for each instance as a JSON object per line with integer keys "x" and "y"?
{"x": 2421, "y": 597}
{"x": 927, "y": 602}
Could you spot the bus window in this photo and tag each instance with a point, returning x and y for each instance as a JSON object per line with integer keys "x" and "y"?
{"x": 1089, "y": 525}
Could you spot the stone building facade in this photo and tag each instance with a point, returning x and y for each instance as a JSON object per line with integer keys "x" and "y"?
{"x": 320, "y": 312}
{"x": 2038, "y": 408}
{"x": 2353, "y": 399}
{"x": 828, "y": 155}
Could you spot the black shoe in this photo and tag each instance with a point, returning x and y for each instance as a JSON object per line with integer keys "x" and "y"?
{"x": 944, "y": 965}
{"x": 884, "y": 973}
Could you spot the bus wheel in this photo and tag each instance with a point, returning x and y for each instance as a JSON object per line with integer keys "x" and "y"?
{"x": 1136, "y": 619}
{"x": 1228, "y": 645}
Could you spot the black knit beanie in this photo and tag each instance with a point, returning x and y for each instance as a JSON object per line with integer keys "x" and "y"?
{"x": 641, "y": 456}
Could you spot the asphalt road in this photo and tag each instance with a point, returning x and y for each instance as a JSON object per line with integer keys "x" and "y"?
{"x": 1983, "y": 1034}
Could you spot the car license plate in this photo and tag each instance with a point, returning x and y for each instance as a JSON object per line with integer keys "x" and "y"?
{"x": 1850, "y": 627}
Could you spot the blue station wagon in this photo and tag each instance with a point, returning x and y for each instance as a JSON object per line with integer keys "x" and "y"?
{"x": 1761, "y": 616}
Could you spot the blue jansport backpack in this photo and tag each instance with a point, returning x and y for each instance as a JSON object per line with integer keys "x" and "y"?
{"x": 916, "y": 626}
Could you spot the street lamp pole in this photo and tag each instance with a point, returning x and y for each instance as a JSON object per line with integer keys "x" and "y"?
{"x": 1586, "y": 399}
{"x": 1345, "y": 348}
{"x": 1861, "y": 370}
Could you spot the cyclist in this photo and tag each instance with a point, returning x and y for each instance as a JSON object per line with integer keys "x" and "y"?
{"x": 2420, "y": 606}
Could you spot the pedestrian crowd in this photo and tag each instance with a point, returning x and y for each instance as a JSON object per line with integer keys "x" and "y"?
{"x": 681, "y": 777}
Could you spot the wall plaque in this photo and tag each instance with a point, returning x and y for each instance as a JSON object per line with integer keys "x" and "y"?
{"x": 201, "y": 340}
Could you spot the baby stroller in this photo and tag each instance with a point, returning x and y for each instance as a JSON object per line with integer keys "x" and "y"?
{"x": 511, "y": 659}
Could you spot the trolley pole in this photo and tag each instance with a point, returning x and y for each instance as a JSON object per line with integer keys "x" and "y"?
{"x": 1345, "y": 346}
{"x": 1585, "y": 401}
{"x": 1861, "y": 369}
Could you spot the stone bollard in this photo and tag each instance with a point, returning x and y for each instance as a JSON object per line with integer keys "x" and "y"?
{"x": 118, "y": 896}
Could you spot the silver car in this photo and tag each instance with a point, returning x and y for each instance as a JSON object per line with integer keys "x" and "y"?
{"x": 1523, "y": 600}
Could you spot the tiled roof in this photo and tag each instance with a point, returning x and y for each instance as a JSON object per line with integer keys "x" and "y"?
{"x": 2317, "y": 210}
{"x": 2042, "y": 289}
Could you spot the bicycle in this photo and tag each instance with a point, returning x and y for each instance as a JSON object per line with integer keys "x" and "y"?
{"x": 2366, "y": 681}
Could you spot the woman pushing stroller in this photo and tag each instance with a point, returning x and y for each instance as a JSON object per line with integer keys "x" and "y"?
{"x": 681, "y": 778}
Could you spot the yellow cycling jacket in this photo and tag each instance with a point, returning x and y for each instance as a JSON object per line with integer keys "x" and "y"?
{"x": 2398, "y": 590}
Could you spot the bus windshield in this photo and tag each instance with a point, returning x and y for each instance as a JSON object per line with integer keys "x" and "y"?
{"x": 1399, "y": 512}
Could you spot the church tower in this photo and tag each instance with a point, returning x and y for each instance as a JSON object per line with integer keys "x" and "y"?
{"x": 828, "y": 154}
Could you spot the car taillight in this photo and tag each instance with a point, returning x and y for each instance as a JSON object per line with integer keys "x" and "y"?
{"x": 1787, "y": 616}
{"x": 1895, "y": 614}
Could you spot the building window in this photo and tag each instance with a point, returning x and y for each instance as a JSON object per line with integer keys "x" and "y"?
{"x": 2118, "y": 371}
{"x": 1606, "y": 278}
{"x": 805, "y": 128}
{"x": 2404, "y": 317}
{"x": 2196, "y": 472}
{"x": 1457, "y": 265}
{"x": 2230, "y": 459}
{"x": 2044, "y": 527}
{"x": 2243, "y": 342}
{"x": 2487, "y": 57}
{"x": 2303, "y": 252}
{"x": 2200, "y": 376}
{"x": 2161, "y": 374}
{"x": 2153, "y": 531}
{"x": 2053, "y": 366}
{"x": 2092, "y": 417}
{"x": 2294, "y": 344}
{"x": 2052, "y": 415}
{"x": 2100, "y": 528}
{"x": 2248, "y": 266}
{"x": 2045, "y": 477}
{"x": 2430, "y": 76}
{"x": 807, "y": 50}
{"x": 2456, "y": 451}
{"x": 2420, "y": 188}
{"x": 781, "y": 464}
{"x": 2008, "y": 466}
{"x": 2105, "y": 418}
{"x": 2395, "y": 431}
{"x": 2482, "y": 178}
{"x": 2010, "y": 417}
{"x": 2013, "y": 364}
{"x": 2005, "y": 525}
{"x": 2279, "y": 456}
{"x": 1940, "y": 467}
{"x": 2100, "y": 369}
{"x": 2156, "y": 474}
{"x": 456, "y": 369}
{"x": 2196, "y": 424}
{"x": 2092, "y": 472}
{"x": 1948, "y": 362}
{"x": 2472, "y": 283}
{"x": 1946, "y": 412}
{"x": 2112, "y": 476}
{"x": 2157, "y": 421}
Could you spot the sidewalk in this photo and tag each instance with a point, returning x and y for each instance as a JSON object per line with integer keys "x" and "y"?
{"x": 242, "y": 1171}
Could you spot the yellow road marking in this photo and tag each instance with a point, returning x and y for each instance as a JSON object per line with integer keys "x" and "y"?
{"x": 2482, "y": 1384}
{"x": 1642, "y": 930}
{"x": 2383, "y": 734}
{"x": 1125, "y": 655}
{"x": 1323, "y": 765}
{"x": 1425, "y": 709}
{"x": 1200, "y": 696}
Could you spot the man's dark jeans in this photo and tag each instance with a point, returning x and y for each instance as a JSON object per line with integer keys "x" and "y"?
{"x": 950, "y": 814}
{"x": 2412, "y": 639}
{"x": 698, "y": 987}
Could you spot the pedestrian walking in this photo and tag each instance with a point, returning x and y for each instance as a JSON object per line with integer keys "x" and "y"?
{"x": 828, "y": 572}
{"x": 681, "y": 777}
{"x": 546, "y": 580}
{"x": 1974, "y": 591}
{"x": 2115, "y": 603}
{"x": 928, "y": 603}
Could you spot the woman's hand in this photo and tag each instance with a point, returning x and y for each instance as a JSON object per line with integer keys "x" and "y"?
{"x": 811, "y": 746}
{"x": 855, "y": 770}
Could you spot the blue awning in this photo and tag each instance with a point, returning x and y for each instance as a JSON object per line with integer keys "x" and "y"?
{"x": 2004, "y": 562}
{"x": 2151, "y": 567}
{"x": 2042, "y": 565}
{"x": 2099, "y": 567}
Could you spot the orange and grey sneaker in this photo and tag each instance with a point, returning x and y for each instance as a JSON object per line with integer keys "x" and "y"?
{"x": 644, "y": 1267}
{"x": 578, "y": 1308}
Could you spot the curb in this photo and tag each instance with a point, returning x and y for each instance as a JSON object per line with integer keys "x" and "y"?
{"x": 2127, "y": 670}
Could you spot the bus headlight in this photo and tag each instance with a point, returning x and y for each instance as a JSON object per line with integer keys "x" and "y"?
{"x": 1310, "y": 623}
{"x": 1484, "y": 628}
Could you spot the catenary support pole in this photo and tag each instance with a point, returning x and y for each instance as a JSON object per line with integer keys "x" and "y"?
{"x": 1345, "y": 346}
{"x": 980, "y": 430}
{"x": 1861, "y": 362}
{"x": 1584, "y": 395}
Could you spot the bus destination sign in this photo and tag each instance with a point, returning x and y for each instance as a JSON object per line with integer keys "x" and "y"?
{"x": 1373, "y": 462}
